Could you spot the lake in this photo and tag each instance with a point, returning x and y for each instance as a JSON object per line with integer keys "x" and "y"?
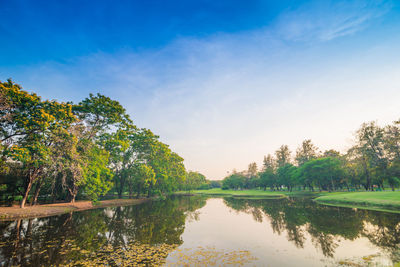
{"x": 203, "y": 231}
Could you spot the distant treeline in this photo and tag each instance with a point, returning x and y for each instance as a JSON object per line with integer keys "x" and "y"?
{"x": 64, "y": 150}
{"x": 373, "y": 163}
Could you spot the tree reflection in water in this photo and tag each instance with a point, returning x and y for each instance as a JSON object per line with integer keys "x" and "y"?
{"x": 71, "y": 237}
{"x": 75, "y": 237}
{"x": 326, "y": 225}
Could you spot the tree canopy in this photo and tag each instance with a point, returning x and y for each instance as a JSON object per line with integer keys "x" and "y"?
{"x": 89, "y": 149}
{"x": 372, "y": 163}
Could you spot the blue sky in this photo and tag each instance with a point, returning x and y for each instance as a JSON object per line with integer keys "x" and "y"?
{"x": 222, "y": 82}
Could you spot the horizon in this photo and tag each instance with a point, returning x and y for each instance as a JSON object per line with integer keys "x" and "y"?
{"x": 222, "y": 84}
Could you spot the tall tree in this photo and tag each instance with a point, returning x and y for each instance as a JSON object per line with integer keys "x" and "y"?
{"x": 306, "y": 152}
{"x": 139, "y": 178}
{"x": 252, "y": 170}
{"x": 282, "y": 156}
{"x": 370, "y": 146}
{"x": 28, "y": 134}
{"x": 194, "y": 180}
{"x": 268, "y": 162}
{"x": 392, "y": 140}
{"x": 102, "y": 114}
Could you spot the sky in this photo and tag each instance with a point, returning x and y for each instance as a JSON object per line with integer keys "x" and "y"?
{"x": 222, "y": 82}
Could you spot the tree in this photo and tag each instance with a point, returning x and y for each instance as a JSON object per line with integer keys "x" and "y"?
{"x": 252, "y": 170}
{"x": 394, "y": 174}
{"x": 97, "y": 175}
{"x": 109, "y": 127}
{"x": 267, "y": 176}
{"x": 282, "y": 156}
{"x": 370, "y": 147}
{"x": 5, "y": 105}
{"x": 140, "y": 177}
{"x": 286, "y": 176}
{"x": 194, "y": 180}
{"x": 331, "y": 153}
{"x": 101, "y": 114}
{"x": 68, "y": 157}
{"x": 306, "y": 152}
{"x": 268, "y": 179}
{"x": 79, "y": 149}
{"x": 122, "y": 155}
{"x": 392, "y": 140}
{"x": 27, "y": 136}
{"x": 268, "y": 162}
{"x": 326, "y": 173}
{"x": 234, "y": 181}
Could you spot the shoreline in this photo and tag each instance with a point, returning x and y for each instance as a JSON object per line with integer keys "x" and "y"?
{"x": 46, "y": 210}
{"x": 217, "y": 192}
{"x": 379, "y": 201}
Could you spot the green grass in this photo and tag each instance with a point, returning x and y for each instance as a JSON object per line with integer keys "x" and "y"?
{"x": 238, "y": 193}
{"x": 383, "y": 201}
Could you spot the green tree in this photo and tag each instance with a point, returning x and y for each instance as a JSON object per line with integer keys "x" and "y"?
{"x": 306, "y": 152}
{"x": 326, "y": 173}
{"x": 139, "y": 178}
{"x": 286, "y": 176}
{"x": 97, "y": 175}
{"x": 370, "y": 148}
{"x": 282, "y": 156}
{"x": 252, "y": 170}
{"x": 268, "y": 176}
{"x": 234, "y": 181}
{"x": 27, "y": 136}
{"x": 194, "y": 180}
{"x": 268, "y": 162}
{"x": 101, "y": 114}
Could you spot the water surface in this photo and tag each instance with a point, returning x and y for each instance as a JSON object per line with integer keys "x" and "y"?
{"x": 189, "y": 230}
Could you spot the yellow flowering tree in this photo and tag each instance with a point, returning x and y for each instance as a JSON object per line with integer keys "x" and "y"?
{"x": 26, "y": 131}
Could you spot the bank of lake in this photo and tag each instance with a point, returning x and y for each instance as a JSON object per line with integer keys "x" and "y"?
{"x": 15, "y": 212}
{"x": 381, "y": 201}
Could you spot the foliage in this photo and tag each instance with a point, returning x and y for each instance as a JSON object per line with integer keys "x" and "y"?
{"x": 234, "y": 181}
{"x": 86, "y": 150}
{"x": 372, "y": 163}
{"x": 194, "y": 180}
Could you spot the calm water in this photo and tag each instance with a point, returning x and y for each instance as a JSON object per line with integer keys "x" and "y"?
{"x": 284, "y": 232}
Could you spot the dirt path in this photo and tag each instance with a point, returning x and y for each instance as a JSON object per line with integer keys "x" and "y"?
{"x": 15, "y": 212}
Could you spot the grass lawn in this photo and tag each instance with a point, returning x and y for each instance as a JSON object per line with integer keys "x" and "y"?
{"x": 383, "y": 201}
{"x": 239, "y": 193}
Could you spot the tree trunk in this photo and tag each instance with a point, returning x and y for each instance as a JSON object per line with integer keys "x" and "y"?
{"x": 369, "y": 184}
{"x": 37, "y": 190}
{"x": 333, "y": 185}
{"x": 130, "y": 192}
{"x": 139, "y": 189}
{"x": 26, "y": 193}
{"x": 73, "y": 192}
{"x": 29, "y": 182}
{"x": 121, "y": 188}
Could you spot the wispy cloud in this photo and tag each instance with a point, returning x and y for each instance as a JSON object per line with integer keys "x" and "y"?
{"x": 327, "y": 20}
{"x": 228, "y": 99}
